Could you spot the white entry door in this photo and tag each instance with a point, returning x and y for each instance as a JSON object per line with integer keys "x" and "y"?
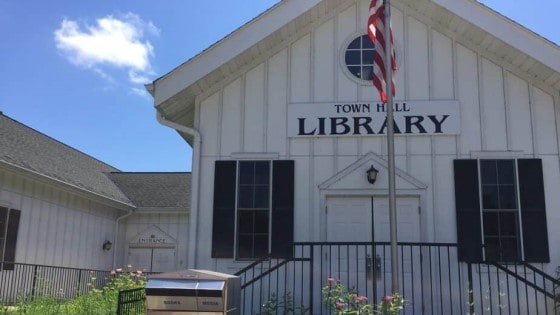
{"x": 163, "y": 260}
{"x": 152, "y": 259}
{"x": 349, "y": 219}
{"x": 408, "y": 219}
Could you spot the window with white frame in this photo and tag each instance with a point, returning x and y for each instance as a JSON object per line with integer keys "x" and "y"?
{"x": 253, "y": 209}
{"x": 358, "y": 58}
{"x": 500, "y": 210}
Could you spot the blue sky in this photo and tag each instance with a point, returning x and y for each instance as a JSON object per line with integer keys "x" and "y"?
{"x": 60, "y": 78}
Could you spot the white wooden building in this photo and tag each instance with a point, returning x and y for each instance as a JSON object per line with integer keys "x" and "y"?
{"x": 60, "y": 207}
{"x": 284, "y": 123}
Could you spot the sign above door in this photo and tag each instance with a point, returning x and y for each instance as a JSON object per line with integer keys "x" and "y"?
{"x": 152, "y": 237}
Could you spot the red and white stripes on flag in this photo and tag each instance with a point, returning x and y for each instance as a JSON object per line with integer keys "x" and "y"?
{"x": 376, "y": 32}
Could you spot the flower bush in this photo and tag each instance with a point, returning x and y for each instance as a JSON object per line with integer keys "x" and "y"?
{"x": 342, "y": 301}
{"x": 391, "y": 304}
{"x": 95, "y": 302}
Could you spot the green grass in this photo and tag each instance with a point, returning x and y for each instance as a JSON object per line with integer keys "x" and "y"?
{"x": 95, "y": 302}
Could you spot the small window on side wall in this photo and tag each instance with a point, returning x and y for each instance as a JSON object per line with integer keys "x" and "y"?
{"x": 9, "y": 225}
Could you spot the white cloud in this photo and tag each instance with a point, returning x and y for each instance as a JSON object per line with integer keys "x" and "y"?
{"x": 140, "y": 92}
{"x": 138, "y": 78}
{"x": 116, "y": 42}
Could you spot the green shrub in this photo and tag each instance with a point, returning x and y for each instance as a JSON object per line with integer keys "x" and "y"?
{"x": 95, "y": 302}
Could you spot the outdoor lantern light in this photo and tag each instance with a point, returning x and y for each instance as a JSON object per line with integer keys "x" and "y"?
{"x": 107, "y": 245}
{"x": 372, "y": 174}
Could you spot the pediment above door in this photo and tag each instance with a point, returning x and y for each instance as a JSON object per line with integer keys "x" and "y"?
{"x": 153, "y": 236}
{"x": 353, "y": 178}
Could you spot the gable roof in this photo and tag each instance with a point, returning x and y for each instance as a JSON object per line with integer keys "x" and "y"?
{"x": 467, "y": 21}
{"x": 25, "y": 149}
{"x": 155, "y": 190}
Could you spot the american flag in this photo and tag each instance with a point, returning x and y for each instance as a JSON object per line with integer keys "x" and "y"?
{"x": 376, "y": 32}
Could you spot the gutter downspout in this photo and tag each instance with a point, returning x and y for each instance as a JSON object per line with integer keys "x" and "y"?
{"x": 193, "y": 217}
{"x": 130, "y": 212}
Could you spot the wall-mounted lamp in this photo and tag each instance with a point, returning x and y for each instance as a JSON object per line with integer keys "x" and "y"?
{"x": 372, "y": 174}
{"x": 107, "y": 245}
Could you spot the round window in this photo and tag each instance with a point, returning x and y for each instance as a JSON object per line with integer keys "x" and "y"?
{"x": 359, "y": 58}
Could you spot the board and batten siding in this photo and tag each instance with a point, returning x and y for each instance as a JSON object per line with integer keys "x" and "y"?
{"x": 58, "y": 228}
{"x": 501, "y": 111}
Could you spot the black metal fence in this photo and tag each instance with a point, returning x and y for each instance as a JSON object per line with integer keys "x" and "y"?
{"x": 23, "y": 281}
{"x": 431, "y": 278}
{"x": 132, "y": 302}
{"x": 275, "y": 286}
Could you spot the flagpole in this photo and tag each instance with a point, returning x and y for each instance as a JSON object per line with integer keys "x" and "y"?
{"x": 391, "y": 148}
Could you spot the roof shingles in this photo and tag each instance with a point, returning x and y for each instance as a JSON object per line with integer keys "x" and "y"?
{"x": 155, "y": 190}
{"x": 33, "y": 151}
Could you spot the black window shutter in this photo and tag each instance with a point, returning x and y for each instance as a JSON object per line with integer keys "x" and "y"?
{"x": 223, "y": 222}
{"x": 282, "y": 209}
{"x": 533, "y": 210}
{"x": 11, "y": 238}
{"x": 467, "y": 206}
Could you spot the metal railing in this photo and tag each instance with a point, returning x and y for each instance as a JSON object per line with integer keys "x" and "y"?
{"x": 278, "y": 284}
{"x": 131, "y": 302}
{"x": 431, "y": 278}
{"x": 511, "y": 289}
{"x": 25, "y": 281}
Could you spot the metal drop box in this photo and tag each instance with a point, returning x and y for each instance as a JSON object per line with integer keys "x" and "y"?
{"x": 190, "y": 292}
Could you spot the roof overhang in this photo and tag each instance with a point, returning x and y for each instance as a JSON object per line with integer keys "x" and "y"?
{"x": 504, "y": 29}
{"x": 113, "y": 203}
{"x": 467, "y": 22}
{"x": 162, "y": 210}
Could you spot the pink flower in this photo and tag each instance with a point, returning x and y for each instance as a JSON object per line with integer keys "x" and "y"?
{"x": 387, "y": 299}
{"x": 119, "y": 270}
{"x": 139, "y": 272}
{"x": 330, "y": 280}
{"x": 129, "y": 266}
{"x": 113, "y": 272}
{"x": 339, "y": 305}
{"x": 361, "y": 299}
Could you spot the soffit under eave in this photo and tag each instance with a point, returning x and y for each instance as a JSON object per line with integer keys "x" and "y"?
{"x": 180, "y": 110}
{"x": 488, "y": 45}
{"x": 514, "y": 34}
{"x": 31, "y": 174}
